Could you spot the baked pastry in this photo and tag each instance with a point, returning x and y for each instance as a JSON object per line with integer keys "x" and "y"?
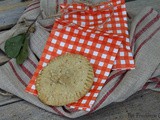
{"x": 66, "y": 79}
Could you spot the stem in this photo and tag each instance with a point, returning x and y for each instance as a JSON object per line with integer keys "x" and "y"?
{"x": 33, "y": 22}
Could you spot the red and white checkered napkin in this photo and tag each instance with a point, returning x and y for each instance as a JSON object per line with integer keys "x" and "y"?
{"x": 114, "y": 11}
{"x": 98, "y": 47}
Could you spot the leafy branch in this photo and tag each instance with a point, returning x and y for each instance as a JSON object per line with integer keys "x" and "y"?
{"x": 17, "y": 46}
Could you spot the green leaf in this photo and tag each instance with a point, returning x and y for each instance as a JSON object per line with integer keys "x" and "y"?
{"x": 23, "y": 53}
{"x": 13, "y": 45}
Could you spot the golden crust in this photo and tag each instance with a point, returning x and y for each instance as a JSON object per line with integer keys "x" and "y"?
{"x": 65, "y": 80}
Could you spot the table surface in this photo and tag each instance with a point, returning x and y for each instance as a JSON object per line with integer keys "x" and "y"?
{"x": 143, "y": 105}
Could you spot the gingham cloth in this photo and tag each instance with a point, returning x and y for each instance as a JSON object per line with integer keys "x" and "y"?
{"x": 99, "y": 47}
{"x": 111, "y": 17}
{"x": 84, "y": 38}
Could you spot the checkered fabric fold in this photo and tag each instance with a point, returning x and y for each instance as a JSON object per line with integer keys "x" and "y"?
{"x": 112, "y": 17}
{"x": 99, "y": 47}
{"x": 77, "y": 33}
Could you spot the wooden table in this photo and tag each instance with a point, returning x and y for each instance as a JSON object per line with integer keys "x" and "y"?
{"x": 143, "y": 105}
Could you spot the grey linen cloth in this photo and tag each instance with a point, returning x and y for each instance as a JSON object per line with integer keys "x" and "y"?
{"x": 144, "y": 37}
